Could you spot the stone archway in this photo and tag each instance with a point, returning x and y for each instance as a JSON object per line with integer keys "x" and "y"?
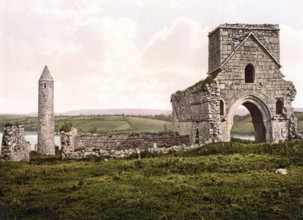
{"x": 261, "y": 117}
{"x": 244, "y": 69}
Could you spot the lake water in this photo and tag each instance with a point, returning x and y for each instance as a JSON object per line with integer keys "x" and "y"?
{"x": 32, "y": 137}
{"x": 244, "y": 137}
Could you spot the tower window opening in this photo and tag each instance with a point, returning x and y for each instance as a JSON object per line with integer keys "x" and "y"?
{"x": 44, "y": 85}
{"x": 197, "y": 137}
{"x": 249, "y": 73}
{"x": 279, "y": 107}
{"x": 221, "y": 107}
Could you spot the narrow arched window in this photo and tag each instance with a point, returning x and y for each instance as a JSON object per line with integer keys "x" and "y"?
{"x": 279, "y": 106}
{"x": 221, "y": 107}
{"x": 197, "y": 137}
{"x": 44, "y": 85}
{"x": 249, "y": 73}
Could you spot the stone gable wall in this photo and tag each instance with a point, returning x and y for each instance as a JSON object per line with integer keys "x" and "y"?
{"x": 269, "y": 85}
{"x": 196, "y": 110}
{"x": 268, "y": 78}
{"x": 118, "y": 145}
{"x": 14, "y": 146}
{"x": 227, "y": 37}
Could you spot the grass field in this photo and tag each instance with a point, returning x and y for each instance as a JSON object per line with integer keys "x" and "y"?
{"x": 234, "y": 180}
{"x": 101, "y": 123}
{"x": 242, "y": 124}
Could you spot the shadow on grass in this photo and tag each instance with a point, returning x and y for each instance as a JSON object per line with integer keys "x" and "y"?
{"x": 38, "y": 158}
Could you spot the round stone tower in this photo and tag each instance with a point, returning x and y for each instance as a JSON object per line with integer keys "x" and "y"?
{"x": 46, "y": 143}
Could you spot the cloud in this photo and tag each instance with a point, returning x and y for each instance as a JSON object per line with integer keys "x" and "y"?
{"x": 104, "y": 54}
{"x": 96, "y": 63}
{"x": 227, "y": 5}
{"x": 126, "y": 77}
{"x": 86, "y": 54}
{"x": 184, "y": 44}
{"x": 291, "y": 44}
{"x": 179, "y": 4}
{"x": 67, "y": 10}
{"x": 176, "y": 56}
{"x": 136, "y": 3}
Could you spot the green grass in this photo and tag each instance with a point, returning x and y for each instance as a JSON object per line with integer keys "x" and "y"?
{"x": 234, "y": 180}
{"x": 242, "y": 124}
{"x": 103, "y": 123}
{"x": 243, "y": 129}
{"x": 150, "y": 125}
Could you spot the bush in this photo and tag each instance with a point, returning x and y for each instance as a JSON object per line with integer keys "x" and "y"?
{"x": 66, "y": 127}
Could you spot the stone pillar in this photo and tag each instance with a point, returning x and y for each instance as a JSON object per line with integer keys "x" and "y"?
{"x": 68, "y": 141}
{"x": 46, "y": 124}
{"x": 14, "y": 146}
{"x": 260, "y": 132}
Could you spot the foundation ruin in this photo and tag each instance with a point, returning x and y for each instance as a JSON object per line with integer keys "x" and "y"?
{"x": 119, "y": 145}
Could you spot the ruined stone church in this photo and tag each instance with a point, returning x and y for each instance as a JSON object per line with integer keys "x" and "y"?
{"x": 243, "y": 69}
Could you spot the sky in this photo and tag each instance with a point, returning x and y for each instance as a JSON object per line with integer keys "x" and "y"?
{"x": 109, "y": 54}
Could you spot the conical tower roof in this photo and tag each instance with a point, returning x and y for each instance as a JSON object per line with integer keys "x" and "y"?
{"x": 46, "y": 76}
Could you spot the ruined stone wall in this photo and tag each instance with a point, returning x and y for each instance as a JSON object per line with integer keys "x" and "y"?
{"x": 14, "y": 146}
{"x": 232, "y": 49}
{"x": 196, "y": 112}
{"x": 68, "y": 143}
{"x": 118, "y": 145}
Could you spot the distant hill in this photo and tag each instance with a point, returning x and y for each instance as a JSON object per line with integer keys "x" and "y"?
{"x": 138, "y": 112}
{"x": 244, "y": 111}
{"x": 104, "y": 123}
{"x": 143, "y": 112}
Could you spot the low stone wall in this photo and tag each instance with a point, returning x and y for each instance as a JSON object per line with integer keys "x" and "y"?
{"x": 119, "y": 145}
{"x": 14, "y": 146}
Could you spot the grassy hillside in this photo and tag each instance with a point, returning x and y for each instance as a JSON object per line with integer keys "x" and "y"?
{"x": 95, "y": 123}
{"x": 243, "y": 124}
{"x": 219, "y": 181}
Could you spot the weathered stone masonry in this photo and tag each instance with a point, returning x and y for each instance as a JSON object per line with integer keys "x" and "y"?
{"x": 118, "y": 145}
{"x": 244, "y": 69}
{"x": 46, "y": 121}
{"x": 14, "y": 146}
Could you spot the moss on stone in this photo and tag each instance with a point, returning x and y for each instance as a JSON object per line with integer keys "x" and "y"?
{"x": 201, "y": 83}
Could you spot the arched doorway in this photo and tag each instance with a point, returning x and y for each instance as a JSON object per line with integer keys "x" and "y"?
{"x": 260, "y": 115}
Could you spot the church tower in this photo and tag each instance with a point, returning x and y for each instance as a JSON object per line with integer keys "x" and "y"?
{"x": 46, "y": 143}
